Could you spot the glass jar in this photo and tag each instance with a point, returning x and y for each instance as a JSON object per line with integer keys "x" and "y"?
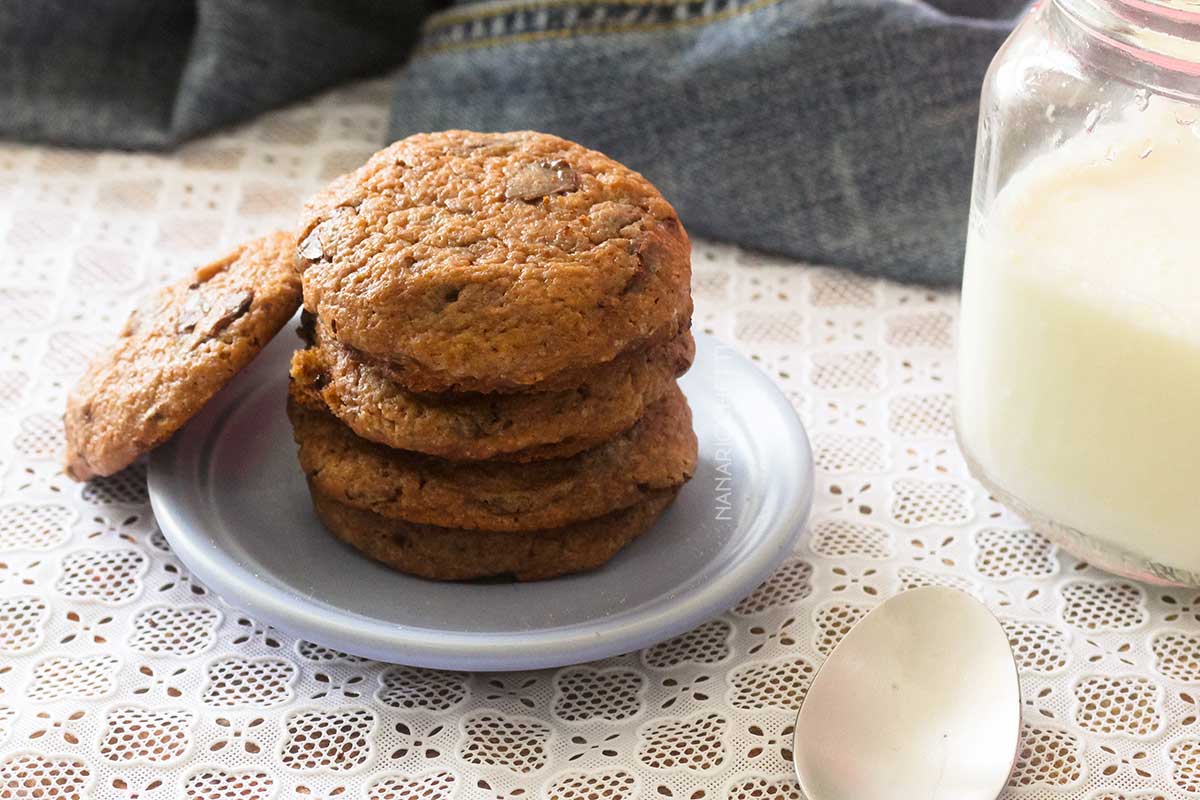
{"x": 1079, "y": 345}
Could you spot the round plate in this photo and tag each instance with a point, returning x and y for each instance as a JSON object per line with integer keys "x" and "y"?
{"x": 231, "y": 499}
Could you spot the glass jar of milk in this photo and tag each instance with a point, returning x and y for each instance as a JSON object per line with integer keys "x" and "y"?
{"x": 1079, "y": 346}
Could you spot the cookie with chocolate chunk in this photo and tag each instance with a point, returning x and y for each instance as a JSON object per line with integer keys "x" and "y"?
{"x": 494, "y": 262}
{"x": 449, "y": 554}
{"x": 530, "y": 426}
{"x": 175, "y": 352}
{"x": 659, "y": 452}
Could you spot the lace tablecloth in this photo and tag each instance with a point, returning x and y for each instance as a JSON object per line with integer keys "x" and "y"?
{"x": 121, "y": 676}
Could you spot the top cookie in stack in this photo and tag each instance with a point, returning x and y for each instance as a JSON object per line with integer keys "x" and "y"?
{"x": 494, "y": 262}
{"x": 512, "y": 300}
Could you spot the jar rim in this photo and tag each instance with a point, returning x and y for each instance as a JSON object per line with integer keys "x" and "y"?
{"x": 1162, "y": 33}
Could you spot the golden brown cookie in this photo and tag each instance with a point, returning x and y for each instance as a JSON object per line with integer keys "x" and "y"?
{"x": 450, "y": 554}
{"x": 486, "y": 262}
{"x": 468, "y": 426}
{"x": 176, "y": 352}
{"x": 657, "y": 453}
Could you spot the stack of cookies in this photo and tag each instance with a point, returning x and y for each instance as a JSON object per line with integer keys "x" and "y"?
{"x": 495, "y": 324}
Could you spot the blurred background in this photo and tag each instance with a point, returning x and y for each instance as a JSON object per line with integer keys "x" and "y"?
{"x": 833, "y": 131}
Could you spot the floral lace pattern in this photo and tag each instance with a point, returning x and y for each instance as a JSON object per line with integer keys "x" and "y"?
{"x": 122, "y": 676}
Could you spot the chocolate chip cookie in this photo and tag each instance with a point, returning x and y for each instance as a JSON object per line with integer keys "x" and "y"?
{"x": 657, "y": 453}
{"x": 470, "y": 426}
{"x": 175, "y": 352}
{"x": 451, "y": 554}
{"x": 494, "y": 262}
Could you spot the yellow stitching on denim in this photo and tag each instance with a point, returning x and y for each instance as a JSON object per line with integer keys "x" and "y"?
{"x": 633, "y": 27}
{"x": 485, "y": 10}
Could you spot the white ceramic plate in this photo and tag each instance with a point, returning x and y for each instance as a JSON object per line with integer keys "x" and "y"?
{"x": 231, "y": 499}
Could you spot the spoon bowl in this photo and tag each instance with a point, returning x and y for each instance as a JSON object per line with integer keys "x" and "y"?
{"x": 920, "y": 699}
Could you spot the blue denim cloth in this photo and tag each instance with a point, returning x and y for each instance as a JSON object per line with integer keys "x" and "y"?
{"x": 835, "y": 131}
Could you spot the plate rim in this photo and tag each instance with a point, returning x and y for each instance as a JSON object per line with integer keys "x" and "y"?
{"x": 667, "y": 616}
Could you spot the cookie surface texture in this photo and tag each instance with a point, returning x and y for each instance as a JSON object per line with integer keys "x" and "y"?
{"x": 492, "y": 262}
{"x": 470, "y": 426}
{"x": 659, "y": 452}
{"x": 449, "y": 554}
{"x": 175, "y": 352}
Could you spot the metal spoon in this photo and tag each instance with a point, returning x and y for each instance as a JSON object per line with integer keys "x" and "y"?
{"x": 919, "y": 700}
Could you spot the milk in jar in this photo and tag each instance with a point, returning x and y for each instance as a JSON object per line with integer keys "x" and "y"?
{"x": 1079, "y": 344}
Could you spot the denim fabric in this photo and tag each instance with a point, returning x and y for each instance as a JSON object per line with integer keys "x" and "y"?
{"x": 835, "y": 131}
{"x": 839, "y": 132}
{"x": 147, "y": 74}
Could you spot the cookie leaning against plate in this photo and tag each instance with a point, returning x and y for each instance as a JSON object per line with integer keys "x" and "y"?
{"x": 657, "y": 453}
{"x": 467, "y": 426}
{"x": 491, "y": 262}
{"x": 175, "y": 352}
{"x": 450, "y": 554}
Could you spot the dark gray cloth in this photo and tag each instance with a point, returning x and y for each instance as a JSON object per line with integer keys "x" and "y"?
{"x": 836, "y": 131}
{"x": 149, "y": 74}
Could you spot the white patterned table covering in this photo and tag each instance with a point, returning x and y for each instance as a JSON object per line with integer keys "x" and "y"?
{"x": 121, "y": 676}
